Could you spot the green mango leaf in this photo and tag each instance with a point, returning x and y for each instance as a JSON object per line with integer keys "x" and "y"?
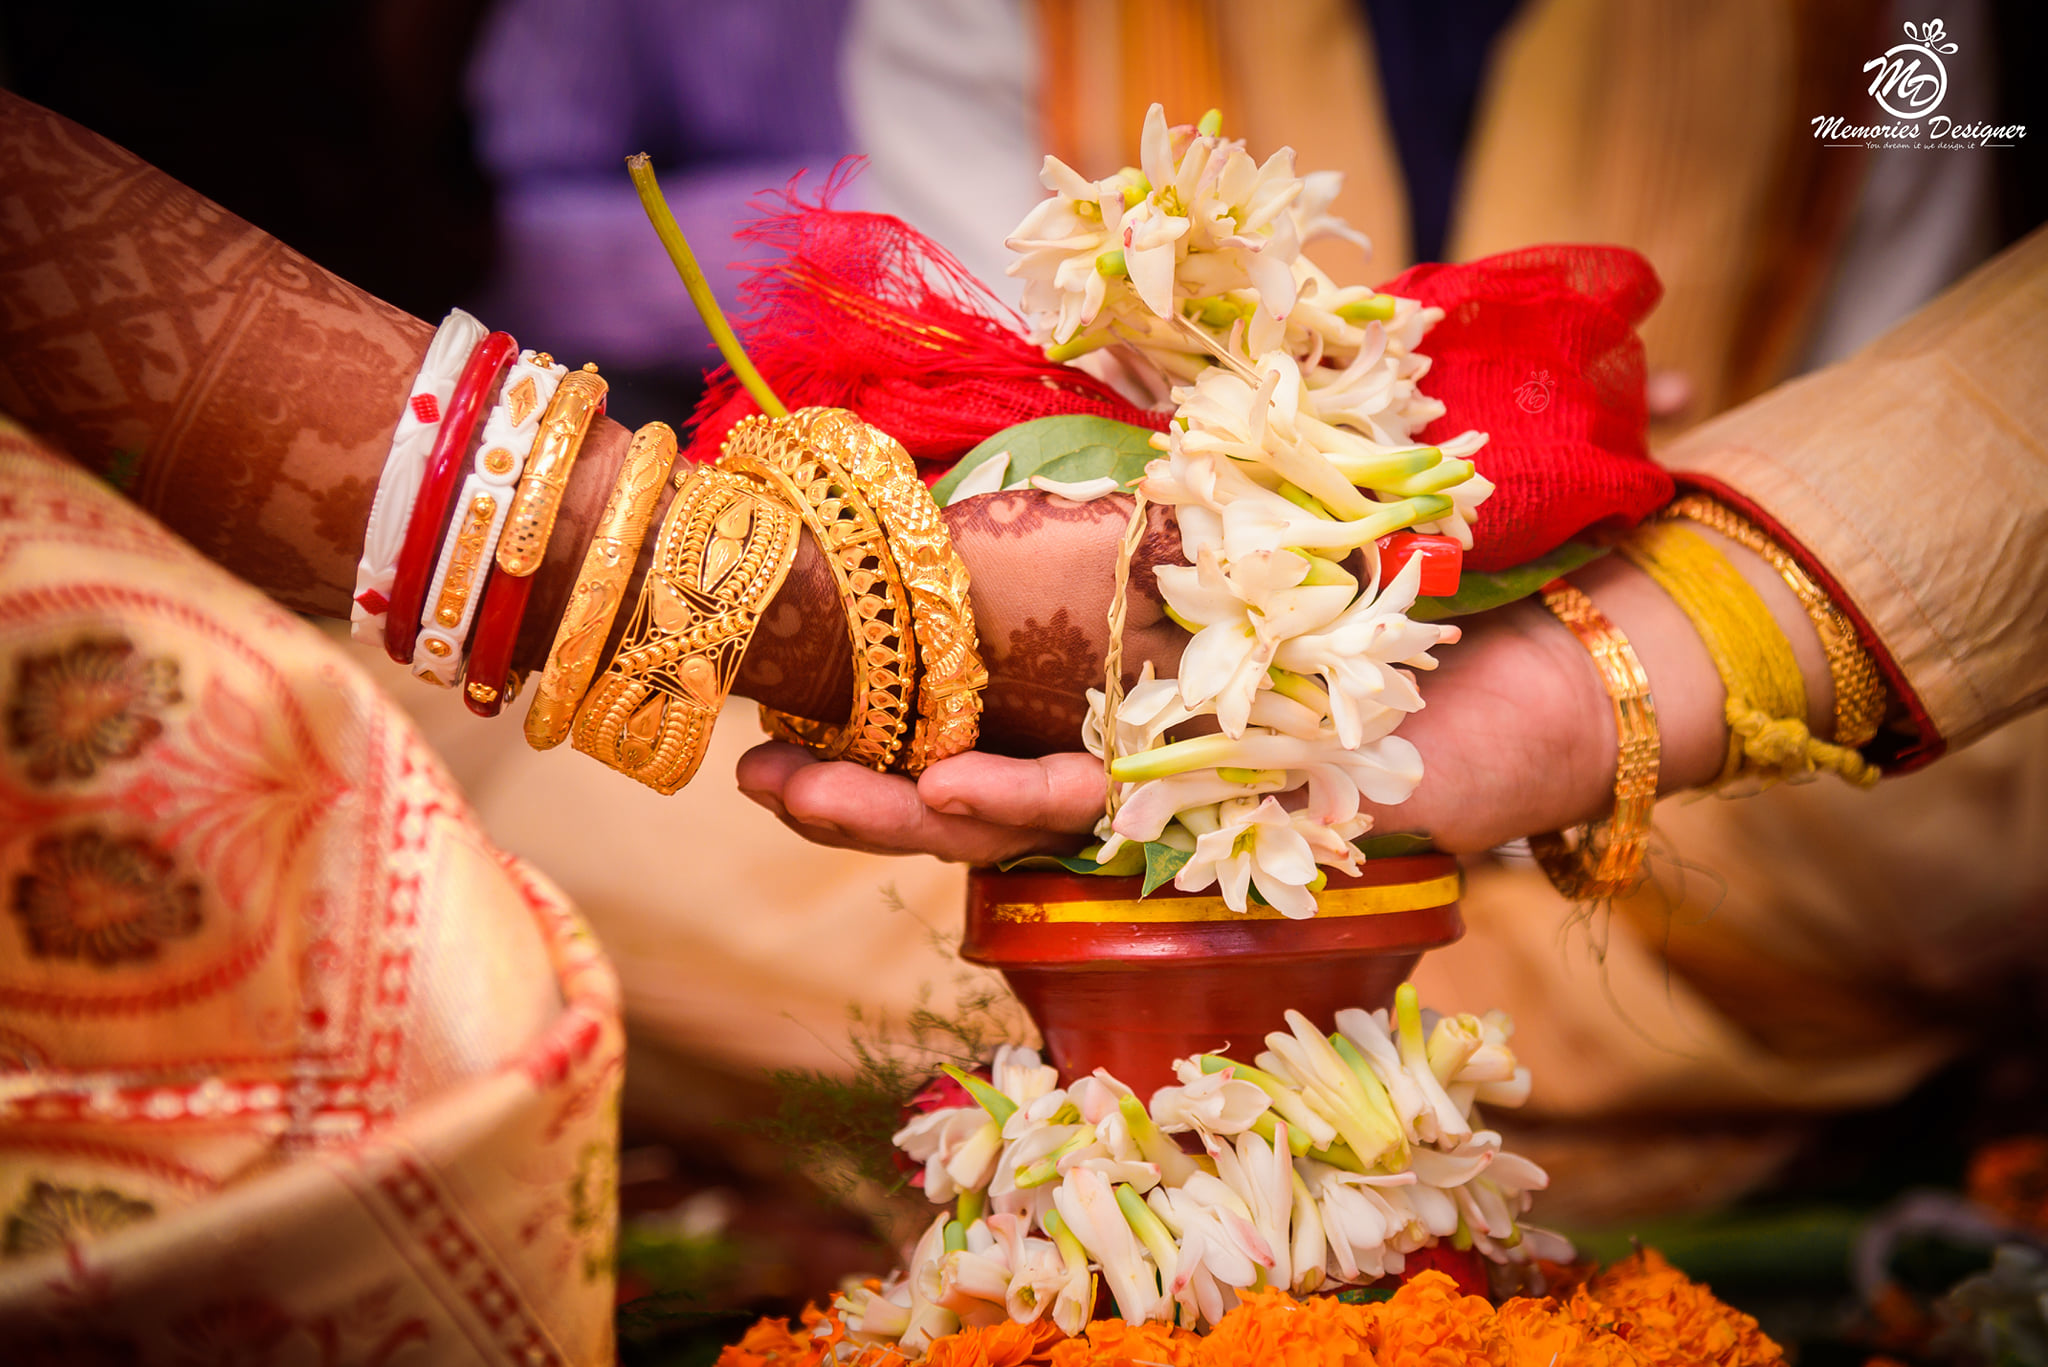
{"x": 1068, "y": 447}
{"x": 1391, "y": 844}
{"x": 1478, "y": 592}
{"x": 1128, "y": 862}
{"x": 1162, "y": 862}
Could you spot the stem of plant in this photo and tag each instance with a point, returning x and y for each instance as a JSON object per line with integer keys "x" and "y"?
{"x": 641, "y": 168}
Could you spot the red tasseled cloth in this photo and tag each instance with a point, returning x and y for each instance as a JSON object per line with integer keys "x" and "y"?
{"x": 1538, "y": 349}
{"x": 861, "y": 311}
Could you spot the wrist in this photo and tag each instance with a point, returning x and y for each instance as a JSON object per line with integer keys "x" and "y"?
{"x": 1691, "y": 702}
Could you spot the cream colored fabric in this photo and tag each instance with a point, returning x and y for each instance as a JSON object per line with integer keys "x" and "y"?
{"x": 737, "y": 941}
{"x": 294, "y": 1064}
{"x": 1917, "y": 473}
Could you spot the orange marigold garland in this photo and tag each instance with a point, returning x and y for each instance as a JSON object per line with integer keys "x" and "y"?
{"x": 1642, "y": 1312}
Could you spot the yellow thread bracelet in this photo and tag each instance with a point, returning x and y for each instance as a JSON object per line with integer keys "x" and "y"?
{"x": 1766, "y": 708}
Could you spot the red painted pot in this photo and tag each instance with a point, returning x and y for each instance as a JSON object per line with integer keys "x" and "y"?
{"x": 1130, "y": 985}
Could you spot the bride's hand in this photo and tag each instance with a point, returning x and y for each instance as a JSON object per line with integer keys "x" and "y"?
{"x": 1517, "y": 737}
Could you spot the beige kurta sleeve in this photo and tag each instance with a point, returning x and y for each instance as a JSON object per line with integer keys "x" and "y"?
{"x": 1915, "y": 474}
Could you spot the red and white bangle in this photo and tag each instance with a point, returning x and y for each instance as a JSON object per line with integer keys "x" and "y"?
{"x": 399, "y": 485}
{"x": 480, "y": 512}
{"x": 445, "y": 464}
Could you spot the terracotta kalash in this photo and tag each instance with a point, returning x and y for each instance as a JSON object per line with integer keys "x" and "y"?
{"x": 1127, "y": 983}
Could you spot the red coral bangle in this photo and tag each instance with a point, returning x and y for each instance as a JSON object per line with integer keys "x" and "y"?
{"x": 578, "y": 403}
{"x": 488, "y": 681}
{"x": 430, "y": 510}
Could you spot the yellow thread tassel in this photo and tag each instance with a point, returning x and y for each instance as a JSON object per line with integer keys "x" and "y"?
{"x": 1766, "y": 709}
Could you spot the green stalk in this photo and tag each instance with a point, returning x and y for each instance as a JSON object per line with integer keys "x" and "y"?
{"x": 1299, "y": 688}
{"x": 1438, "y": 477}
{"x": 1299, "y": 1142}
{"x": 956, "y": 1237}
{"x": 1378, "y": 308}
{"x": 1304, "y": 500}
{"x": 1392, "y": 517}
{"x": 1202, "y": 752}
{"x": 1285, "y": 1099}
{"x": 1377, "y": 472}
{"x": 641, "y": 168}
{"x": 1379, "y": 1106}
{"x": 1078, "y": 345}
{"x": 1325, "y": 572}
{"x": 1175, "y": 1167}
{"x": 1151, "y": 1233}
{"x": 999, "y": 1107}
{"x": 1110, "y": 265}
{"x": 970, "y": 1207}
{"x": 1339, "y": 1155}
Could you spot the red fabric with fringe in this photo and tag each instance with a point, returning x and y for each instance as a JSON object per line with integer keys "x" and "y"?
{"x": 861, "y": 311}
{"x": 1538, "y": 349}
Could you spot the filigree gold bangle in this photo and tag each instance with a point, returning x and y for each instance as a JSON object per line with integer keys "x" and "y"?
{"x": 1606, "y": 858}
{"x": 578, "y": 401}
{"x": 725, "y": 548}
{"x": 792, "y": 455}
{"x": 941, "y": 617}
{"x": 600, "y": 585}
{"x": 1860, "y": 696}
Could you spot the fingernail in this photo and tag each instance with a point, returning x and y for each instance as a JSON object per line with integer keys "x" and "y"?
{"x": 955, "y": 807}
{"x": 764, "y": 798}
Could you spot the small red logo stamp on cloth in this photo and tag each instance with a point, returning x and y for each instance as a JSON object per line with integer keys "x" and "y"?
{"x": 1531, "y": 395}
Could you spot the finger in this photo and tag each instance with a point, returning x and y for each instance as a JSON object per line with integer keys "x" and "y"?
{"x": 765, "y": 770}
{"x": 884, "y": 811}
{"x": 1057, "y": 793}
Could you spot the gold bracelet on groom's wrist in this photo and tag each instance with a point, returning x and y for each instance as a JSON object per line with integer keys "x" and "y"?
{"x": 1605, "y": 858}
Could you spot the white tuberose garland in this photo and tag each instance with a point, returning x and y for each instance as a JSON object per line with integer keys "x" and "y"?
{"x": 1323, "y": 1163}
{"x": 1295, "y": 404}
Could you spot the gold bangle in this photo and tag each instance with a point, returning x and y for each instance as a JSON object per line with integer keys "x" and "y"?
{"x": 578, "y": 401}
{"x": 600, "y": 586}
{"x": 1860, "y": 694}
{"x": 1606, "y": 860}
{"x": 941, "y": 616}
{"x": 724, "y": 550}
{"x": 791, "y": 454}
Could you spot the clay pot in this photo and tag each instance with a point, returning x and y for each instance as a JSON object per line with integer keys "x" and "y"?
{"x": 1130, "y": 985}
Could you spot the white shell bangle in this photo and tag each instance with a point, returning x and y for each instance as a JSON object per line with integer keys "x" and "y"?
{"x": 480, "y": 512}
{"x": 399, "y": 486}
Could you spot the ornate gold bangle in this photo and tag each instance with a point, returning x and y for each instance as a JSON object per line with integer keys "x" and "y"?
{"x": 948, "y": 652}
{"x": 1606, "y": 859}
{"x": 578, "y": 401}
{"x": 797, "y": 456}
{"x": 724, "y": 549}
{"x": 600, "y": 585}
{"x": 1860, "y": 695}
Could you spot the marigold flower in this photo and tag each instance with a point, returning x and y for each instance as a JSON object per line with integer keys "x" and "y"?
{"x": 1113, "y": 1343}
{"x": 1272, "y": 1328}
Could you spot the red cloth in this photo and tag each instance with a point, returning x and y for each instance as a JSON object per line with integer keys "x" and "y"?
{"x": 1538, "y": 349}
{"x": 861, "y": 311}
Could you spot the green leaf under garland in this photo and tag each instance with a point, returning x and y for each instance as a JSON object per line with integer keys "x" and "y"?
{"x": 1162, "y": 862}
{"x": 1478, "y": 592}
{"x": 1068, "y": 447}
{"x": 1392, "y": 844}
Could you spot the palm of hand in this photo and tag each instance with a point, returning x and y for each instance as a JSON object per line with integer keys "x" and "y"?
{"x": 1516, "y": 738}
